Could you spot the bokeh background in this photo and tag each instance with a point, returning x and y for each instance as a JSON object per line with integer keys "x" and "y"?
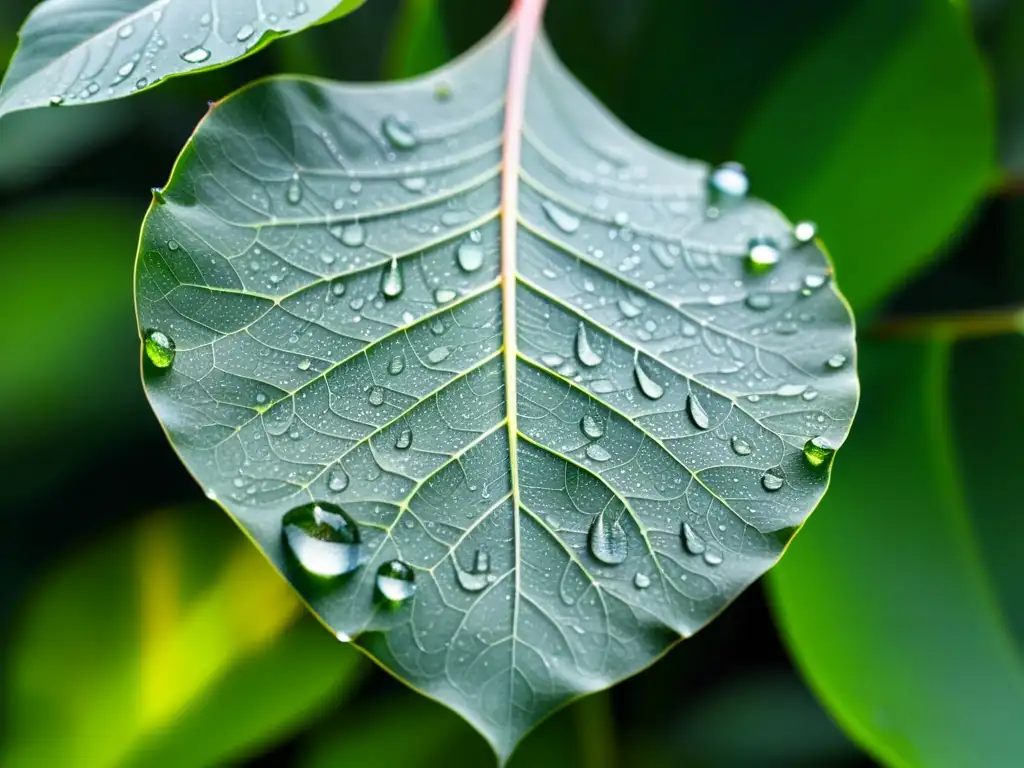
{"x": 139, "y": 628}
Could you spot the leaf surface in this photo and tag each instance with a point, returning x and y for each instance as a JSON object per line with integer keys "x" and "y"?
{"x": 512, "y": 344}
{"x": 86, "y": 51}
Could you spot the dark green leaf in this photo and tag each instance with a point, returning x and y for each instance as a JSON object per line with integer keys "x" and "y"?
{"x": 85, "y": 51}
{"x": 417, "y": 42}
{"x": 885, "y": 599}
{"x": 173, "y": 645}
{"x": 573, "y": 492}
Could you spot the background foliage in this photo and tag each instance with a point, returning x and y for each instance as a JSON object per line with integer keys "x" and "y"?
{"x": 137, "y": 627}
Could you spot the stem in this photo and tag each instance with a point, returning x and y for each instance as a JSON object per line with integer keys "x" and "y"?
{"x": 595, "y": 724}
{"x": 993, "y": 322}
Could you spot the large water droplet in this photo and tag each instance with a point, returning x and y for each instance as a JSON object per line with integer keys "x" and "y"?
{"x": 338, "y": 480}
{"x": 195, "y": 55}
{"x": 391, "y": 284}
{"x": 353, "y": 235}
{"x": 592, "y": 426}
{"x": 608, "y": 542}
{"x": 697, "y": 412}
{"x": 771, "y": 480}
{"x": 376, "y": 396}
{"x": 477, "y": 579}
{"x": 159, "y": 348}
{"x": 762, "y": 254}
{"x": 727, "y": 185}
{"x": 641, "y": 580}
{"x": 818, "y": 451}
{"x": 397, "y": 365}
{"x": 561, "y": 218}
{"x": 584, "y": 352}
{"x": 740, "y": 446}
{"x": 470, "y": 257}
{"x": 651, "y": 389}
{"x": 396, "y": 581}
{"x": 399, "y": 133}
{"x": 438, "y": 354}
{"x": 694, "y": 544}
{"x": 597, "y": 453}
{"x": 323, "y": 538}
{"x": 404, "y": 440}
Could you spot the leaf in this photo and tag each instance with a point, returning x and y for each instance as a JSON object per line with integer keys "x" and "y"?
{"x": 885, "y": 600}
{"x": 533, "y": 370}
{"x": 417, "y": 41}
{"x": 172, "y": 644}
{"x": 86, "y": 51}
{"x": 883, "y": 133}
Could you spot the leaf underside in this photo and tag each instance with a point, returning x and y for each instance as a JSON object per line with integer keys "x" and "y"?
{"x": 86, "y": 51}
{"x": 298, "y": 378}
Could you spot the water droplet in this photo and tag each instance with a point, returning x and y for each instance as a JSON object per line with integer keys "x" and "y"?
{"x": 621, "y": 219}
{"x": 694, "y": 544}
{"x": 443, "y": 91}
{"x": 444, "y": 295}
{"x": 353, "y": 235}
{"x": 159, "y": 348}
{"x": 771, "y": 481}
{"x": 818, "y": 451}
{"x": 477, "y": 579}
{"x": 727, "y": 185}
{"x": 245, "y": 32}
{"x": 814, "y": 281}
{"x": 629, "y": 309}
{"x": 762, "y": 254}
{"x": 126, "y": 31}
{"x": 805, "y": 231}
{"x": 641, "y": 580}
{"x": 396, "y": 581}
{"x": 596, "y": 453}
{"x": 561, "y": 218}
{"x": 195, "y": 55}
{"x": 592, "y": 427}
{"x": 391, "y": 284}
{"x": 399, "y": 133}
{"x": 338, "y": 480}
{"x": 125, "y": 69}
{"x": 404, "y": 440}
{"x": 438, "y": 354}
{"x": 584, "y": 352}
{"x": 397, "y": 365}
{"x": 608, "y": 542}
{"x": 759, "y": 302}
{"x": 651, "y": 389}
{"x": 141, "y": 83}
{"x": 56, "y": 101}
{"x": 323, "y": 538}
{"x": 294, "y": 190}
{"x": 837, "y": 361}
{"x": 338, "y": 288}
{"x": 376, "y": 396}
{"x": 662, "y": 254}
{"x": 740, "y": 446}
{"x": 712, "y": 558}
{"x": 697, "y": 412}
{"x": 304, "y": 364}
{"x": 470, "y": 257}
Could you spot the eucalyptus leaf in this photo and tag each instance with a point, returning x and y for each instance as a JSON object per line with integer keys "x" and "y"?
{"x": 517, "y": 350}
{"x": 86, "y": 51}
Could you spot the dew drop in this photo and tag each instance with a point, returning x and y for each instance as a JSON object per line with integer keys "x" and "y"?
{"x": 438, "y": 354}
{"x": 697, "y": 412}
{"x": 294, "y": 193}
{"x": 608, "y": 542}
{"x": 805, "y": 231}
{"x": 304, "y": 364}
{"x": 641, "y": 580}
{"x": 397, "y": 365}
{"x": 551, "y": 360}
{"x": 694, "y": 544}
{"x": 391, "y": 284}
{"x": 561, "y": 218}
{"x": 651, "y": 389}
{"x": 818, "y": 451}
{"x": 740, "y": 446}
{"x": 814, "y": 282}
{"x": 396, "y": 581}
{"x": 597, "y": 453}
{"x": 195, "y": 55}
{"x": 836, "y": 362}
{"x": 126, "y": 31}
{"x": 353, "y": 235}
{"x": 404, "y": 440}
{"x": 628, "y": 309}
{"x": 584, "y": 352}
{"x": 444, "y": 295}
{"x": 477, "y": 579}
{"x": 160, "y": 349}
{"x": 338, "y": 480}
{"x": 762, "y": 254}
{"x": 323, "y": 538}
{"x": 712, "y": 558}
{"x": 415, "y": 183}
{"x": 727, "y": 185}
{"x": 661, "y": 253}
{"x": 771, "y": 481}
{"x": 470, "y": 257}
{"x": 245, "y": 32}
{"x": 399, "y": 133}
{"x": 592, "y": 427}
{"x": 759, "y": 302}
{"x": 56, "y": 101}
{"x": 376, "y": 396}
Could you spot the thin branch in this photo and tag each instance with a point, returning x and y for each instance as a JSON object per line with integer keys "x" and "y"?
{"x": 994, "y": 322}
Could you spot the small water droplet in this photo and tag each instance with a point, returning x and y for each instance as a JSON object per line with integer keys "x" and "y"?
{"x": 552, "y": 361}
{"x": 245, "y": 32}
{"x": 621, "y": 219}
{"x": 444, "y": 295}
{"x": 125, "y": 69}
{"x": 414, "y": 183}
{"x": 663, "y": 256}
{"x": 443, "y": 91}
{"x": 160, "y": 348}
{"x": 818, "y": 451}
{"x": 304, "y": 364}
{"x": 323, "y": 538}
{"x": 404, "y": 440}
{"x": 740, "y": 446}
{"x": 338, "y": 288}
{"x": 477, "y": 579}
{"x": 470, "y": 257}
{"x": 608, "y": 542}
{"x": 837, "y": 361}
{"x": 651, "y": 389}
{"x": 294, "y": 190}
{"x": 56, "y": 101}
{"x": 771, "y": 481}
{"x": 391, "y": 284}
{"x": 584, "y": 352}
{"x": 759, "y": 302}
{"x": 641, "y": 580}
{"x": 805, "y": 231}
{"x": 697, "y": 412}
{"x": 694, "y": 544}
{"x": 438, "y": 354}
{"x": 762, "y": 254}
{"x": 561, "y": 218}
{"x": 397, "y": 365}
{"x": 592, "y": 427}
{"x": 126, "y": 31}
{"x": 195, "y": 55}
{"x": 376, "y": 396}
{"x": 596, "y": 452}
{"x": 399, "y": 133}
{"x": 396, "y": 581}
{"x": 813, "y": 282}
{"x": 353, "y": 235}
{"x": 727, "y": 185}
{"x": 712, "y": 558}
{"x": 629, "y": 309}
{"x": 338, "y": 480}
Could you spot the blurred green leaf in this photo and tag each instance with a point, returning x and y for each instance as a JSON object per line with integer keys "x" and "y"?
{"x": 885, "y": 599}
{"x": 138, "y": 43}
{"x": 882, "y": 132}
{"x": 417, "y": 42}
{"x": 1000, "y": 28}
{"x": 170, "y": 644}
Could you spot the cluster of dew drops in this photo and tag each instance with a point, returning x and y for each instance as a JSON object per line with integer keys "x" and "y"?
{"x": 325, "y": 540}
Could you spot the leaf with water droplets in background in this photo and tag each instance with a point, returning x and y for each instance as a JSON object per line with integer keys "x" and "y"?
{"x": 87, "y": 51}
{"x": 515, "y": 346}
